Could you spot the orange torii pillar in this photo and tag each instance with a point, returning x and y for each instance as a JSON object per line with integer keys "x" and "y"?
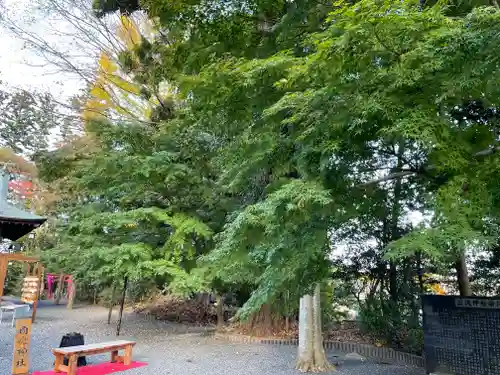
{"x": 4, "y": 262}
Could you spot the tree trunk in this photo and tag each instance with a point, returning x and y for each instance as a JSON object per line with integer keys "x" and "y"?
{"x": 393, "y": 283}
{"x": 119, "y": 325}
{"x": 263, "y": 322}
{"x": 463, "y": 276}
{"x": 111, "y": 303}
{"x": 72, "y": 294}
{"x": 59, "y": 289}
{"x": 411, "y": 292}
{"x": 420, "y": 272}
{"x": 203, "y": 298}
{"x": 267, "y": 319}
{"x": 311, "y": 354}
{"x": 220, "y": 311}
{"x": 395, "y": 234}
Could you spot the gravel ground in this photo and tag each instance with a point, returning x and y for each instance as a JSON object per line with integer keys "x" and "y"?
{"x": 169, "y": 349}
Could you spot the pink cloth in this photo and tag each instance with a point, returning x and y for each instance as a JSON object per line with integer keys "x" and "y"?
{"x": 50, "y": 280}
{"x": 68, "y": 279}
{"x": 69, "y": 285}
{"x": 100, "y": 369}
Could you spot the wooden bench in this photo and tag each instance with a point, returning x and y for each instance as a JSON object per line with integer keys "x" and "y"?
{"x": 73, "y": 352}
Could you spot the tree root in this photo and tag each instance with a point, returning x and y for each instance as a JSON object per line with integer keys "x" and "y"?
{"x": 311, "y": 366}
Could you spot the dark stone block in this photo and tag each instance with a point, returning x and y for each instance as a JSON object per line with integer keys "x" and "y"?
{"x": 73, "y": 339}
{"x": 461, "y": 335}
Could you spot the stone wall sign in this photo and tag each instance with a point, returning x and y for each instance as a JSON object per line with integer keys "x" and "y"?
{"x": 461, "y": 335}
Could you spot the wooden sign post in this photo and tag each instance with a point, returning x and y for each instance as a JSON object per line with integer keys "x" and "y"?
{"x": 20, "y": 361}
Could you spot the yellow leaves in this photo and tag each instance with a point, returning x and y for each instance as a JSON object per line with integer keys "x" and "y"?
{"x": 106, "y": 65}
{"x": 94, "y": 109}
{"x": 124, "y": 85}
{"x": 113, "y": 90}
{"x": 437, "y": 289}
{"x": 100, "y": 93}
{"x": 128, "y": 32}
{"x": 15, "y": 162}
{"x": 108, "y": 90}
{"x": 109, "y": 73}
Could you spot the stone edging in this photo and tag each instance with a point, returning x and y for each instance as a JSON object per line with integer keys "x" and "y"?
{"x": 385, "y": 355}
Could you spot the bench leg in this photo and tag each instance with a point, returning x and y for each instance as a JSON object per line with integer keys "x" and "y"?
{"x": 72, "y": 364}
{"x": 114, "y": 356}
{"x": 58, "y": 362}
{"x": 127, "y": 357}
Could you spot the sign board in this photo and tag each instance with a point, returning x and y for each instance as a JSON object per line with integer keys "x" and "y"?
{"x": 30, "y": 289}
{"x": 461, "y": 335}
{"x": 20, "y": 361}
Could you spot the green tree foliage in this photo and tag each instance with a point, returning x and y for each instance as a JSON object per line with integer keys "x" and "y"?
{"x": 293, "y": 127}
{"x": 132, "y": 205}
{"x": 105, "y": 6}
{"x": 27, "y": 120}
{"x": 282, "y": 239}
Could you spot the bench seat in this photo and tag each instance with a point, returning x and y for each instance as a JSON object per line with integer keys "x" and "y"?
{"x": 73, "y": 352}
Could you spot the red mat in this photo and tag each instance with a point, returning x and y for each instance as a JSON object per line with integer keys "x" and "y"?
{"x": 100, "y": 369}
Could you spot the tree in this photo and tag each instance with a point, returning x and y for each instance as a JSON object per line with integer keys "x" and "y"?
{"x": 27, "y": 120}
{"x": 143, "y": 200}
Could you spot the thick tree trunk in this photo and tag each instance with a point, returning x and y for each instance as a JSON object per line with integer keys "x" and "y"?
{"x": 203, "y": 298}
{"x": 311, "y": 354}
{"x": 463, "y": 276}
{"x": 395, "y": 232}
{"x": 264, "y": 322}
{"x": 220, "y": 310}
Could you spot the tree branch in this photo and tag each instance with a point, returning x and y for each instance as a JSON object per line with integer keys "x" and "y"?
{"x": 392, "y": 176}
{"x": 389, "y": 177}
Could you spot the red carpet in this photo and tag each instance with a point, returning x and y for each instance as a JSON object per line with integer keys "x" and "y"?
{"x": 100, "y": 369}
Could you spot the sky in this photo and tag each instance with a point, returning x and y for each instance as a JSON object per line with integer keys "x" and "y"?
{"x": 15, "y": 71}
{"x": 21, "y": 67}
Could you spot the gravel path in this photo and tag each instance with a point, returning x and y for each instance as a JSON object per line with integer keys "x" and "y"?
{"x": 167, "y": 348}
